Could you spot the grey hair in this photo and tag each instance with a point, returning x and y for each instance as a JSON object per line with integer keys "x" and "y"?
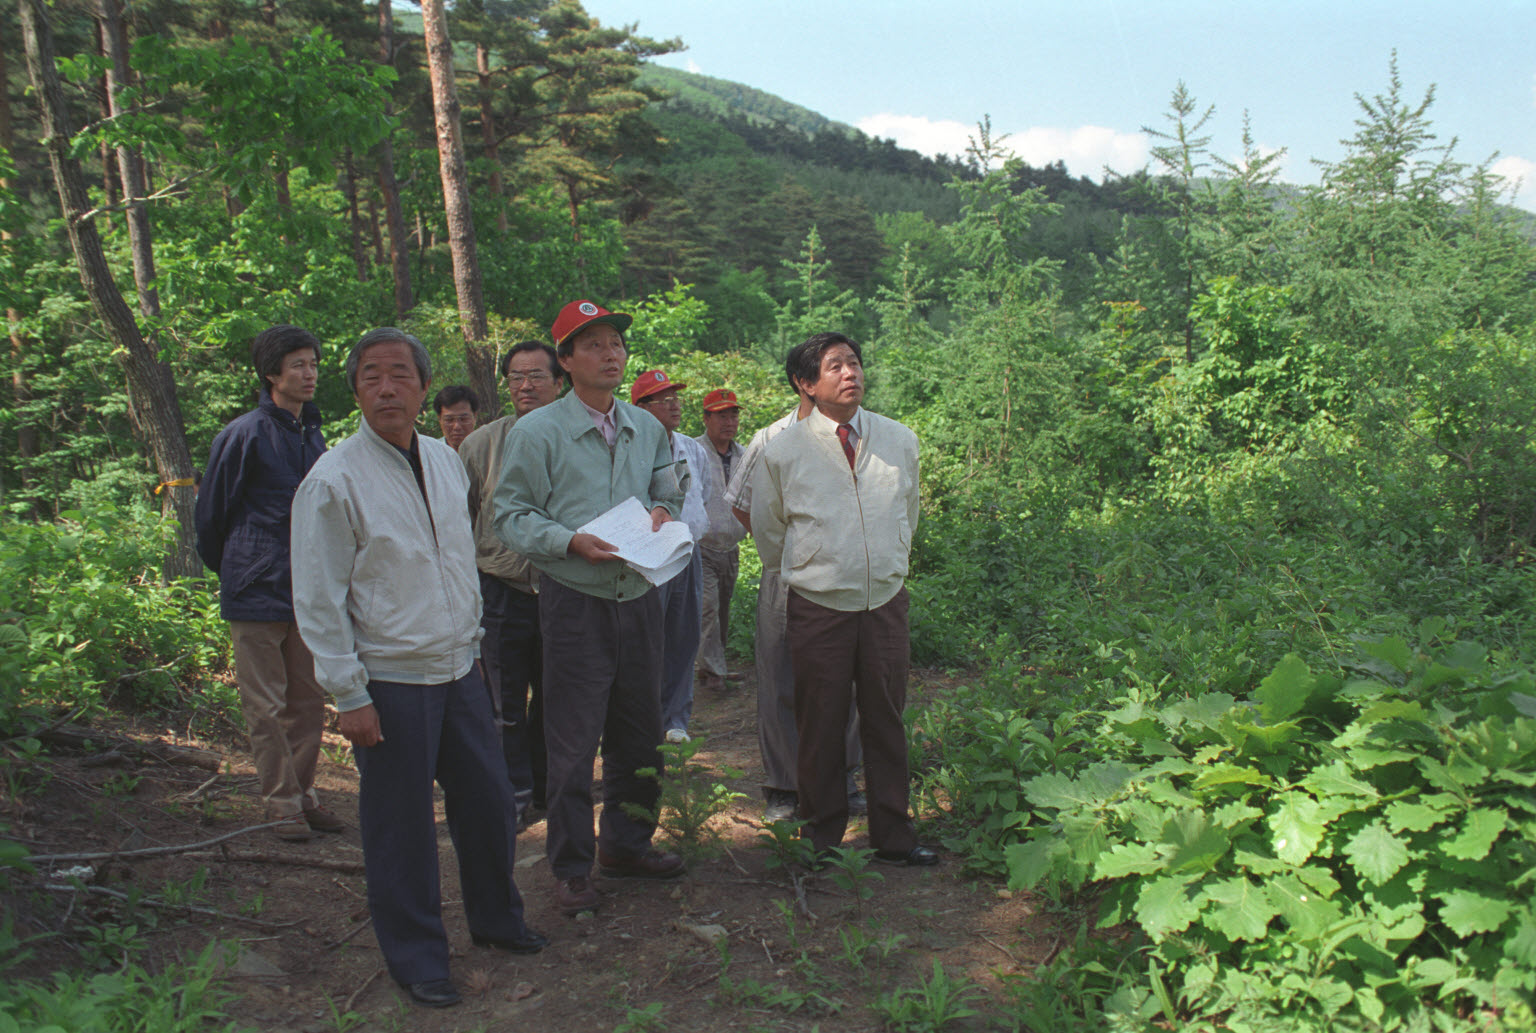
{"x": 383, "y": 335}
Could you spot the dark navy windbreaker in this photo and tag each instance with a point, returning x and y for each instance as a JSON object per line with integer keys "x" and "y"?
{"x": 243, "y": 506}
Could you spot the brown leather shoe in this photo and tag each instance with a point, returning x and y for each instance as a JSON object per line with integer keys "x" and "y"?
{"x": 294, "y": 829}
{"x": 575, "y": 895}
{"x": 653, "y": 864}
{"x": 322, "y": 820}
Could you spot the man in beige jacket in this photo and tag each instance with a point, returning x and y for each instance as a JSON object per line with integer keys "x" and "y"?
{"x": 834, "y": 505}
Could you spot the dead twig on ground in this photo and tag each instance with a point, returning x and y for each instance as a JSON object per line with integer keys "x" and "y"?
{"x": 324, "y": 863}
{"x": 165, "y": 905}
{"x": 365, "y": 923}
{"x": 157, "y": 851}
{"x": 1006, "y": 952}
{"x": 359, "y": 991}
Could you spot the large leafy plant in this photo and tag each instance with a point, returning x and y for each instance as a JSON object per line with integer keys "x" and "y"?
{"x": 1324, "y": 851}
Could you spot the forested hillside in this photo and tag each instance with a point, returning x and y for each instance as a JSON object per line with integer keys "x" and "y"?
{"x": 1229, "y": 486}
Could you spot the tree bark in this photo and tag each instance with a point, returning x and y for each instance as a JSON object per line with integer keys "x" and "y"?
{"x": 151, "y": 389}
{"x": 461, "y": 227}
{"x": 488, "y": 132}
{"x": 354, "y": 217}
{"x": 399, "y": 241}
{"x": 130, "y": 163}
{"x": 28, "y": 441}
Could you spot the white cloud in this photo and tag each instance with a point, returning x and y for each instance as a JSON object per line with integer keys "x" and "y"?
{"x": 1084, "y": 149}
{"x": 693, "y": 66}
{"x": 1520, "y": 176}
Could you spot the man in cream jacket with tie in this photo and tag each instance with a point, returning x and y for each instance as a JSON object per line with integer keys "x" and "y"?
{"x": 834, "y": 506}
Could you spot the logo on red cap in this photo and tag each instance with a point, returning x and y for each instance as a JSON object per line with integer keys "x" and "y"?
{"x": 586, "y": 308}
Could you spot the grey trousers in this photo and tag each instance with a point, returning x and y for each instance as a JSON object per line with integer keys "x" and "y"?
{"x": 720, "y": 569}
{"x": 776, "y": 735}
{"x": 602, "y": 685}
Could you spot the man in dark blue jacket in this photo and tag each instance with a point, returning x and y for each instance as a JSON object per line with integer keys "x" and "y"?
{"x": 243, "y": 509}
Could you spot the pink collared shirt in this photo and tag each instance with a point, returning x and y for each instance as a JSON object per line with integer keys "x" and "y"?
{"x": 603, "y": 421}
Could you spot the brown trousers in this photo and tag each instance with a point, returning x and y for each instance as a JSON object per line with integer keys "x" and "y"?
{"x": 842, "y": 658}
{"x": 284, "y": 711}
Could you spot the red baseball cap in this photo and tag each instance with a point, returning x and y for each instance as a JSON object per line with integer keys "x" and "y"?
{"x": 651, "y": 382}
{"x": 581, "y": 314}
{"x": 719, "y": 400}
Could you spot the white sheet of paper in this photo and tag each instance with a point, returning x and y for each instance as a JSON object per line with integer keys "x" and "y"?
{"x": 657, "y": 556}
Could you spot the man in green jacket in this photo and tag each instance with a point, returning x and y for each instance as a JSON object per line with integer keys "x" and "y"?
{"x": 601, "y": 622}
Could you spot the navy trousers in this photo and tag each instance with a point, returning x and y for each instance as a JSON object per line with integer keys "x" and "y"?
{"x": 444, "y": 733}
{"x": 680, "y": 606}
{"x": 513, "y": 654}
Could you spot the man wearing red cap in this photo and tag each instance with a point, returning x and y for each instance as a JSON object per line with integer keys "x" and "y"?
{"x": 720, "y": 555}
{"x": 657, "y": 395}
{"x": 565, "y": 464}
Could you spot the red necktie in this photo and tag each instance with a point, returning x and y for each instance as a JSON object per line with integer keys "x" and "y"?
{"x": 843, "y": 430}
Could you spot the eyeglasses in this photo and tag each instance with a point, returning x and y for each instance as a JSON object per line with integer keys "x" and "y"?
{"x": 536, "y": 377}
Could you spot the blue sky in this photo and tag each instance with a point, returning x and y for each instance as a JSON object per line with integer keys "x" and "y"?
{"x": 1077, "y": 81}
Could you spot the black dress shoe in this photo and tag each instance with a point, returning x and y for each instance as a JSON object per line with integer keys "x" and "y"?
{"x": 528, "y": 943}
{"x": 917, "y": 857}
{"x": 434, "y": 993}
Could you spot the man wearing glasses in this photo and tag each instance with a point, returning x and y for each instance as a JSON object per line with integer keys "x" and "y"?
{"x": 512, "y": 650}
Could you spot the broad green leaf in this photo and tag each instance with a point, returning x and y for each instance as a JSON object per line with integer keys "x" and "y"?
{"x": 1258, "y": 864}
{"x": 1308, "y": 914}
{"x": 1128, "y": 859}
{"x": 1235, "y": 813}
{"x": 1320, "y": 879}
{"x": 1477, "y": 835}
{"x": 1336, "y": 779}
{"x": 1285, "y": 690}
{"x": 1391, "y": 709}
{"x": 1242, "y": 910}
{"x": 1524, "y": 703}
{"x": 1456, "y": 777}
{"x": 1030, "y": 862}
{"x": 1093, "y": 786}
{"x": 1393, "y": 650}
{"x": 1164, "y": 906}
{"x": 1228, "y": 774}
{"x": 1297, "y": 827}
{"x": 1430, "y": 972}
{"x": 1376, "y": 853}
{"x": 1367, "y": 757}
{"x": 1257, "y": 738}
{"x": 1197, "y": 844}
{"x": 1520, "y": 944}
{"x": 1467, "y": 912}
{"x": 1411, "y": 816}
{"x": 1369, "y": 1004}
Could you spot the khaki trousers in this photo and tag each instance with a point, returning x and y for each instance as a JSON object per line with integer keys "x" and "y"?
{"x": 284, "y": 711}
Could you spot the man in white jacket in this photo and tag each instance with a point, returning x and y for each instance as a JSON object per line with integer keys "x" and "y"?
{"x": 386, "y": 597}
{"x": 834, "y": 505}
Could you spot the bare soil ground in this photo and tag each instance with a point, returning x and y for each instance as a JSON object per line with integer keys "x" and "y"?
{"x": 799, "y": 952}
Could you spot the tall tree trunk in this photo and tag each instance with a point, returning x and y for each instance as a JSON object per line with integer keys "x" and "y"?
{"x": 355, "y": 218}
{"x": 103, "y": 93}
{"x": 376, "y": 237}
{"x": 461, "y": 227}
{"x": 28, "y": 441}
{"x": 151, "y": 390}
{"x": 130, "y": 163}
{"x": 280, "y": 168}
{"x": 488, "y": 132}
{"x": 399, "y": 241}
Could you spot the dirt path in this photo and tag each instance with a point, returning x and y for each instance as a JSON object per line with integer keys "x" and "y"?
{"x": 797, "y": 952}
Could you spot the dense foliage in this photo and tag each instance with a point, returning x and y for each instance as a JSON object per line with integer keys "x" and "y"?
{"x": 1229, "y": 487}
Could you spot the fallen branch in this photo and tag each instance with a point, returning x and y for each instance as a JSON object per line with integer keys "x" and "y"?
{"x": 325, "y": 863}
{"x": 1006, "y": 953}
{"x": 76, "y": 738}
{"x": 165, "y": 905}
{"x": 359, "y": 991}
{"x": 157, "y": 851}
{"x": 365, "y": 923}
